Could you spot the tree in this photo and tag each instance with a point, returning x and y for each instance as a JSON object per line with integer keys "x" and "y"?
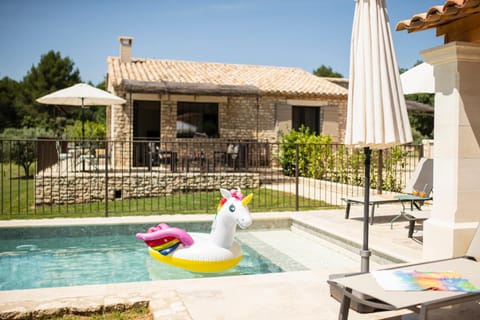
{"x": 422, "y": 125}
{"x": 324, "y": 71}
{"x": 93, "y": 130}
{"x": 18, "y": 107}
{"x": 52, "y": 73}
{"x": 21, "y": 152}
{"x": 8, "y": 97}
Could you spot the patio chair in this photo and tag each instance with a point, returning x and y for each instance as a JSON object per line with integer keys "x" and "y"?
{"x": 153, "y": 150}
{"x": 364, "y": 291}
{"x": 420, "y": 181}
{"x": 63, "y": 157}
{"x": 227, "y": 157}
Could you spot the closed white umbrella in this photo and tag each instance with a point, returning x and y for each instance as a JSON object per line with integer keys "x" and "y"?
{"x": 418, "y": 79}
{"x": 376, "y": 113}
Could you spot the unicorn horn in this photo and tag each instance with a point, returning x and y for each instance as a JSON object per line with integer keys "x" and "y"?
{"x": 247, "y": 199}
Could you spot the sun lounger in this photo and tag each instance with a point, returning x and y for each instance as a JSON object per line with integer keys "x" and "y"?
{"x": 421, "y": 180}
{"x": 363, "y": 289}
{"x": 417, "y": 301}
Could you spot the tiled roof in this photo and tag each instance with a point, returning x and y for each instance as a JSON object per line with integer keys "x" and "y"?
{"x": 268, "y": 79}
{"x": 436, "y": 16}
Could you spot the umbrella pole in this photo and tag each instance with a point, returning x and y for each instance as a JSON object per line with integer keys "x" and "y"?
{"x": 83, "y": 136}
{"x": 83, "y": 143}
{"x": 365, "y": 253}
{"x": 83, "y": 128}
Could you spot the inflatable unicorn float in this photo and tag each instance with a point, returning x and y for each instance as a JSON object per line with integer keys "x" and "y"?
{"x": 202, "y": 252}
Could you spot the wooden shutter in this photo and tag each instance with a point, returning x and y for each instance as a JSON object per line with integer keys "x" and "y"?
{"x": 329, "y": 122}
{"x": 283, "y": 118}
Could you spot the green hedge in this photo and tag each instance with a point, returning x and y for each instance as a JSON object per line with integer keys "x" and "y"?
{"x": 319, "y": 158}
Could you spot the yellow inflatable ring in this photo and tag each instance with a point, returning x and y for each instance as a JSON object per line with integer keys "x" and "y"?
{"x": 202, "y": 256}
{"x": 201, "y": 252}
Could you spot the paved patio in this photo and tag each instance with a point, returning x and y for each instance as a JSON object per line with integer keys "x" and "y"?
{"x": 288, "y": 295}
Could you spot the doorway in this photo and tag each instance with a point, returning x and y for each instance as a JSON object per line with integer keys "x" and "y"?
{"x": 146, "y": 130}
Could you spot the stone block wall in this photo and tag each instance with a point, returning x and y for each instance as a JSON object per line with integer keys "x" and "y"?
{"x": 64, "y": 189}
{"x": 247, "y": 118}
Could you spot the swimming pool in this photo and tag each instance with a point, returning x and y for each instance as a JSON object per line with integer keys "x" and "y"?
{"x": 42, "y": 257}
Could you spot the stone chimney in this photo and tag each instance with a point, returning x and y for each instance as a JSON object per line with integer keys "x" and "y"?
{"x": 125, "y": 49}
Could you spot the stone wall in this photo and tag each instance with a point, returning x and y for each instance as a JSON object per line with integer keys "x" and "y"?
{"x": 64, "y": 189}
{"x": 241, "y": 118}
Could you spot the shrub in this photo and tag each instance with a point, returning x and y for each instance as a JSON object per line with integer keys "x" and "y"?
{"x": 318, "y": 158}
{"x": 313, "y": 153}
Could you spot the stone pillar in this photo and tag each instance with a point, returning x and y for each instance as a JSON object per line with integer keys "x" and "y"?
{"x": 456, "y": 187}
{"x": 121, "y": 133}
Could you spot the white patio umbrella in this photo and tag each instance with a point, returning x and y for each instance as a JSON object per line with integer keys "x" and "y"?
{"x": 418, "y": 79}
{"x": 376, "y": 112}
{"x": 81, "y": 95}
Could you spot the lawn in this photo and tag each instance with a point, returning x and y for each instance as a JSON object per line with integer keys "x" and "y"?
{"x": 17, "y": 201}
{"x": 16, "y": 191}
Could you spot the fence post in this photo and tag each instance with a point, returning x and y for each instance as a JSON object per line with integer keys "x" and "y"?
{"x": 296, "y": 177}
{"x": 380, "y": 172}
{"x": 106, "y": 178}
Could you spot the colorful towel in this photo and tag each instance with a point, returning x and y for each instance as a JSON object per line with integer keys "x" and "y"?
{"x": 412, "y": 280}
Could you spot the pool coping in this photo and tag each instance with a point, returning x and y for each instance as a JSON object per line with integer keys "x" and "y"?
{"x": 165, "y": 304}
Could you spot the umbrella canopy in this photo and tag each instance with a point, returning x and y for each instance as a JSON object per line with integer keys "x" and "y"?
{"x": 82, "y": 95}
{"x": 418, "y": 79}
{"x": 376, "y": 111}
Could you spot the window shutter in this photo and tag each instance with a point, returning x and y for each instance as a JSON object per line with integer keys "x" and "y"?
{"x": 283, "y": 117}
{"x": 329, "y": 122}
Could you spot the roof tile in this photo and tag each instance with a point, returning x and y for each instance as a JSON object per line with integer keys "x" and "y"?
{"x": 269, "y": 79}
{"x": 436, "y": 16}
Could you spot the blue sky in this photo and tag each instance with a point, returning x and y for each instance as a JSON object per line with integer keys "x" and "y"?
{"x": 300, "y": 33}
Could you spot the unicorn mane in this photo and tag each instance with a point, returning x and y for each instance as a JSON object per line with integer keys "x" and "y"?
{"x": 234, "y": 193}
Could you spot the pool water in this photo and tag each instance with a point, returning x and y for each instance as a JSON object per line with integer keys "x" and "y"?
{"x": 70, "y": 256}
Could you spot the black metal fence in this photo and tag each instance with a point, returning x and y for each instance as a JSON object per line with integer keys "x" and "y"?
{"x": 58, "y": 178}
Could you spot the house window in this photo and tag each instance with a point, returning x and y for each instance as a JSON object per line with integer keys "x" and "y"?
{"x": 197, "y": 119}
{"x": 307, "y": 116}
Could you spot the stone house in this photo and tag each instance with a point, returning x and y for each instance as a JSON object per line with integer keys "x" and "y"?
{"x": 175, "y": 101}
